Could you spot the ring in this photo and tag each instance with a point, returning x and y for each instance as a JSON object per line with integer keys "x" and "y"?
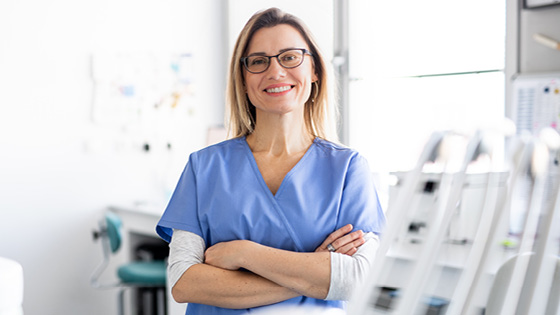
{"x": 331, "y": 248}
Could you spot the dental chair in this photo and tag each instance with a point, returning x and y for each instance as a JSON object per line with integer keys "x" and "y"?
{"x": 137, "y": 274}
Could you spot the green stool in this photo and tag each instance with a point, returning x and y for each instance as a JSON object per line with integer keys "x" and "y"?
{"x": 138, "y": 274}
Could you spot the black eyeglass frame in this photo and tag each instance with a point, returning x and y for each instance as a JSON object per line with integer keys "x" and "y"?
{"x": 303, "y": 50}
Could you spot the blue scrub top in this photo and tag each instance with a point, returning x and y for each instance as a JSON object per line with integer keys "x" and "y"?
{"x": 221, "y": 196}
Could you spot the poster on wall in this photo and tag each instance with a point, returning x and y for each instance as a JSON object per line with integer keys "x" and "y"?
{"x": 128, "y": 86}
{"x": 147, "y": 99}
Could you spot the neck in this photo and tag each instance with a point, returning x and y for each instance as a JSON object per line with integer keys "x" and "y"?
{"x": 280, "y": 135}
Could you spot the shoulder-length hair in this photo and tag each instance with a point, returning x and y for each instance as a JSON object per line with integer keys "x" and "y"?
{"x": 319, "y": 110}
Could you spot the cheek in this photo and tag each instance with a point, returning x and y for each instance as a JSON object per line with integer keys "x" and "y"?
{"x": 252, "y": 94}
{"x": 250, "y": 86}
{"x": 251, "y": 89}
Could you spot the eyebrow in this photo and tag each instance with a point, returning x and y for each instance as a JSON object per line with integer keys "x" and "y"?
{"x": 281, "y": 51}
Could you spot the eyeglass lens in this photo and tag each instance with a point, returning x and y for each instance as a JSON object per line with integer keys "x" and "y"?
{"x": 288, "y": 59}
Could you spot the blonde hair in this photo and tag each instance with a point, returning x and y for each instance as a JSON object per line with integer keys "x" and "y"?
{"x": 319, "y": 111}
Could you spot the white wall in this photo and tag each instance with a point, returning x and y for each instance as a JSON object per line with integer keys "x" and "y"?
{"x": 58, "y": 169}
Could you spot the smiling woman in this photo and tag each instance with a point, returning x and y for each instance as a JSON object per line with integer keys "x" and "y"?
{"x": 319, "y": 109}
{"x": 277, "y": 89}
{"x": 279, "y": 214}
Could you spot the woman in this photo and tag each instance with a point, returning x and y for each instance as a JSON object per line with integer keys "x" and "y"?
{"x": 267, "y": 217}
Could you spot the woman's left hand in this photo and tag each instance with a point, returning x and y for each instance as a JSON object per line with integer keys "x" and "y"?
{"x": 226, "y": 255}
{"x": 343, "y": 241}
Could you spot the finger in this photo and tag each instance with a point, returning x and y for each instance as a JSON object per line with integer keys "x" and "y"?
{"x": 336, "y": 235}
{"x": 351, "y": 248}
{"x": 347, "y": 239}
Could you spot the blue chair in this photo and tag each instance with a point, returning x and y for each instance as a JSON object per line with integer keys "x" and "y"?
{"x": 137, "y": 274}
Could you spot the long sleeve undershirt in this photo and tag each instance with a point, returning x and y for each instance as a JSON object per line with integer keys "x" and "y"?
{"x": 187, "y": 249}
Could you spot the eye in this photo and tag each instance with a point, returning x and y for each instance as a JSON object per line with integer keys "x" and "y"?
{"x": 289, "y": 56}
{"x": 257, "y": 61}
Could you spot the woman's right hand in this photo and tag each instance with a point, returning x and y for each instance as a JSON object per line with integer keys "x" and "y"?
{"x": 343, "y": 241}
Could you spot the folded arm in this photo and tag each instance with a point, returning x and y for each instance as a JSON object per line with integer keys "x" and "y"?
{"x": 205, "y": 284}
{"x": 192, "y": 281}
{"x": 321, "y": 274}
{"x": 305, "y": 273}
{"x": 277, "y": 275}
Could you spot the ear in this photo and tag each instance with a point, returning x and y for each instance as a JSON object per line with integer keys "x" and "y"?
{"x": 314, "y": 78}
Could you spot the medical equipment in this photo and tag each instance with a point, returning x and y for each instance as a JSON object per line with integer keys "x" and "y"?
{"x": 363, "y": 301}
{"x": 469, "y": 209}
{"x": 531, "y": 288}
{"x": 532, "y": 277}
{"x": 546, "y": 41}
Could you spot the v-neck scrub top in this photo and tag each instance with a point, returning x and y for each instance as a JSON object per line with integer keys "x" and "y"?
{"x": 221, "y": 196}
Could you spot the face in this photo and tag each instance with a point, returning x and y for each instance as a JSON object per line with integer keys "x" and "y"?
{"x": 279, "y": 90}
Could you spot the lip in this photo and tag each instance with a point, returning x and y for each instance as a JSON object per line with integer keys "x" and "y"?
{"x": 278, "y": 86}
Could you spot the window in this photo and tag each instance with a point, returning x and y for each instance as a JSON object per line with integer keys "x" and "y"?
{"x": 420, "y": 66}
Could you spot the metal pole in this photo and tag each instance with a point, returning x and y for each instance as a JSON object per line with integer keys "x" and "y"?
{"x": 340, "y": 63}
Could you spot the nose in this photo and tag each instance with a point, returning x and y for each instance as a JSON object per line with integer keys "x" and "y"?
{"x": 275, "y": 70}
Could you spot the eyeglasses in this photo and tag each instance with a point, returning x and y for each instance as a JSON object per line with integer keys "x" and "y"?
{"x": 288, "y": 59}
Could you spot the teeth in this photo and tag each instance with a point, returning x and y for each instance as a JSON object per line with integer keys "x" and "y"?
{"x": 279, "y": 89}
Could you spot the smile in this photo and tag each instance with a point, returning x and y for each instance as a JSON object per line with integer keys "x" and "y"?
{"x": 279, "y": 89}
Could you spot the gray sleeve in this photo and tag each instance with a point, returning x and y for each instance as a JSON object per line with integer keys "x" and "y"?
{"x": 349, "y": 271}
{"x": 185, "y": 250}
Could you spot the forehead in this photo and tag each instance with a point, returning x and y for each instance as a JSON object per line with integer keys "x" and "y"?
{"x": 271, "y": 40}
